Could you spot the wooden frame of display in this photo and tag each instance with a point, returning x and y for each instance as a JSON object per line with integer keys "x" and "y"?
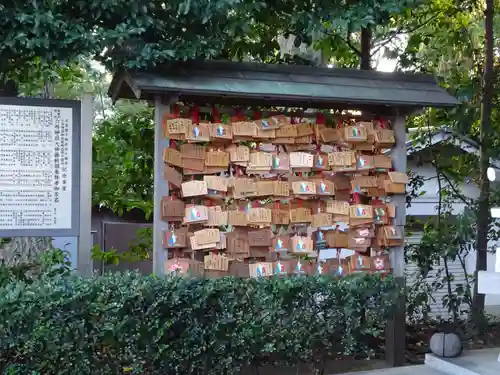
{"x": 242, "y": 84}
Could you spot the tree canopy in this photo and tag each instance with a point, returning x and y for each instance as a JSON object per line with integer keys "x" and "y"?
{"x": 143, "y": 33}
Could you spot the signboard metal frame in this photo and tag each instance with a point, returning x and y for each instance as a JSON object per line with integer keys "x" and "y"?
{"x": 75, "y": 105}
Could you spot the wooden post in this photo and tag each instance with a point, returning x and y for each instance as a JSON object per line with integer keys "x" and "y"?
{"x": 160, "y": 255}
{"x": 84, "y": 257}
{"x": 395, "y": 340}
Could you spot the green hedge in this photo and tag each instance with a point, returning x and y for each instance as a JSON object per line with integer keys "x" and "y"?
{"x": 126, "y": 323}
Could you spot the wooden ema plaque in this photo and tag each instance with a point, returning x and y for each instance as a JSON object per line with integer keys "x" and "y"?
{"x": 281, "y": 188}
{"x": 194, "y": 188}
{"x": 172, "y": 157}
{"x": 217, "y": 159}
{"x": 281, "y": 243}
{"x": 237, "y": 218}
{"x": 196, "y": 165}
{"x": 259, "y": 216}
{"x": 173, "y": 177}
{"x": 358, "y": 242}
{"x": 207, "y": 236}
{"x": 216, "y": 262}
{"x": 325, "y": 187}
{"x": 389, "y": 236}
{"x": 221, "y": 132}
{"x": 280, "y": 215}
{"x": 197, "y": 133}
{"x": 287, "y": 131}
{"x": 176, "y": 238}
{"x": 336, "y": 239}
{"x": 280, "y": 162}
{"x": 329, "y": 135}
{"x": 396, "y": 183}
{"x": 217, "y": 183}
{"x": 304, "y": 130}
{"x": 176, "y": 267}
{"x": 244, "y": 187}
{"x": 364, "y": 182}
{"x": 300, "y": 215}
{"x": 304, "y": 187}
{"x": 384, "y": 138}
{"x": 216, "y": 217}
{"x": 261, "y": 269}
{"x": 260, "y": 238}
{"x": 195, "y": 214}
{"x": 176, "y": 125}
{"x": 264, "y": 188}
{"x": 382, "y": 162}
{"x": 172, "y": 209}
{"x": 265, "y": 134}
{"x": 322, "y": 220}
{"x": 380, "y": 264}
{"x": 301, "y": 245}
{"x": 338, "y": 207}
{"x": 193, "y": 151}
{"x": 239, "y": 154}
{"x": 237, "y": 244}
{"x": 355, "y": 134}
{"x": 321, "y": 162}
{"x": 342, "y": 161}
{"x": 260, "y": 160}
{"x": 301, "y": 160}
{"x": 244, "y": 128}
{"x": 365, "y": 162}
{"x": 359, "y": 263}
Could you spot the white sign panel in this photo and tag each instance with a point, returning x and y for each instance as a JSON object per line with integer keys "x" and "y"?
{"x": 36, "y": 167}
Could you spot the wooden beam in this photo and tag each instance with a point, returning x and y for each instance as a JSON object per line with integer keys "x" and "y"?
{"x": 160, "y": 185}
{"x": 84, "y": 258}
{"x": 395, "y": 340}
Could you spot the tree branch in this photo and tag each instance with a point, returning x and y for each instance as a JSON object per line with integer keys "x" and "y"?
{"x": 400, "y": 30}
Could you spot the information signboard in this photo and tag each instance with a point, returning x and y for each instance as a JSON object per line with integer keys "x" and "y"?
{"x": 39, "y": 167}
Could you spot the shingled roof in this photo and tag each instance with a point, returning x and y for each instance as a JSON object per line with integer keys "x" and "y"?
{"x": 225, "y": 82}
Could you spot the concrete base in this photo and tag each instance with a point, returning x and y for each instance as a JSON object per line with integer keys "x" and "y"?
{"x": 474, "y": 362}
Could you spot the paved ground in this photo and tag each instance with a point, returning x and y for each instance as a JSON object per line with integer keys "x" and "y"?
{"x": 473, "y": 362}
{"x": 407, "y": 370}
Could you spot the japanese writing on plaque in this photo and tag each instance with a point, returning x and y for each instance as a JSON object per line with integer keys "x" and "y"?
{"x": 35, "y": 167}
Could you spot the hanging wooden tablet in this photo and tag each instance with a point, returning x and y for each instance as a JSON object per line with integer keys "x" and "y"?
{"x": 172, "y": 157}
{"x": 171, "y": 175}
{"x": 197, "y": 133}
{"x": 221, "y": 132}
{"x": 175, "y": 238}
{"x": 172, "y": 209}
{"x": 193, "y": 151}
{"x": 194, "y": 188}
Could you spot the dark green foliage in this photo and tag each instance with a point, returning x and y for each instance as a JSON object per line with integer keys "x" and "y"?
{"x": 125, "y": 323}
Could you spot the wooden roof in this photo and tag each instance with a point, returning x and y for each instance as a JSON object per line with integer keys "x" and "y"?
{"x": 235, "y": 83}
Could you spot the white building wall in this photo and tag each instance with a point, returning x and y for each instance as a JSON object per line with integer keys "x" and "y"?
{"x": 426, "y": 205}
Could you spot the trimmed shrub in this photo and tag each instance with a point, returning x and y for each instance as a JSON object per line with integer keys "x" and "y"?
{"x": 131, "y": 324}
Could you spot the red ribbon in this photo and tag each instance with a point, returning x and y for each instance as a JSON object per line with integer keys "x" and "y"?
{"x": 382, "y": 122}
{"x": 196, "y": 114}
{"x": 215, "y": 116}
{"x": 356, "y": 198}
{"x": 174, "y": 108}
{"x": 257, "y": 115}
{"x": 339, "y": 123}
{"x": 320, "y": 118}
{"x": 239, "y": 115}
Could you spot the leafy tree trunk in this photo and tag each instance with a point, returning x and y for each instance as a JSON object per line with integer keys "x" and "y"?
{"x": 366, "y": 46}
{"x": 483, "y": 213}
